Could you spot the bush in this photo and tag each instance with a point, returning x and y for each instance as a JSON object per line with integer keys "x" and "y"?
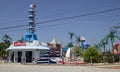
{"x": 77, "y": 51}
{"x": 116, "y": 58}
{"x": 92, "y": 53}
{"x": 109, "y": 57}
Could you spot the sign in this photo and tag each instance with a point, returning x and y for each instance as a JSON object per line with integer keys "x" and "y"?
{"x": 82, "y": 38}
{"x": 19, "y": 44}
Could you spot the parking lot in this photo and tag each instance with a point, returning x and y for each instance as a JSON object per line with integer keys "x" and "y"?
{"x": 53, "y": 68}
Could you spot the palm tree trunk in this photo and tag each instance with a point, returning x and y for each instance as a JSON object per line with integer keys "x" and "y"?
{"x": 112, "y": 45}
{"x": 104, "y": 55}
{"x": 112, "y": 49}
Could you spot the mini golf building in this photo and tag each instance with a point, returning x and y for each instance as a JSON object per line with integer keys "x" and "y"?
{"x": 25, "y": 52}
{"x": 29, "y": 49}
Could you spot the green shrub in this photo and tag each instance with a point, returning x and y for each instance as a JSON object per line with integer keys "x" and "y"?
{"x": 77, "y": 51}
{"x": 92, "y": 53}
{"x": 116, "y": 58}
{"x": 109, "y": 57}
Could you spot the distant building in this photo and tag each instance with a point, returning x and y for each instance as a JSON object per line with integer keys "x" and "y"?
{"x": 55, "y": 48}
{"x": 117, "y": 48}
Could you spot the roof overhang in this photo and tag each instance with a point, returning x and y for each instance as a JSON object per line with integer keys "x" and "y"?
{"x": 27, "y": 47}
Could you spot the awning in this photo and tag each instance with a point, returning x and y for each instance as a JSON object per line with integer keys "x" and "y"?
{"x": 27, "y": 47}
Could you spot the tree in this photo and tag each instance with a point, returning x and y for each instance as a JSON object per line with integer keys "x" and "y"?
{"x": 7, "y": 39}
{"x": 92, "y": 53}
{"x": 3, "y": 51}
{"x": 78, "y": 41}
{"x": 77, "y": 51}
{"x": 20, "y": 40}
{"x": 70, "y": 45}
{"x": 109, "y": 37}
{"x": 71, "y": 36}
{"x": 109, "y": 57}
{"x": 4, "y": 45}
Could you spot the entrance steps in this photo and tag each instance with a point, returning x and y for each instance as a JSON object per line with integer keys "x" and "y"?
{"x": 47, "y": 57}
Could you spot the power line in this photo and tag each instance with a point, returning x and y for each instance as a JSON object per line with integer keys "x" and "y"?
{"x": 55, "y": 14}
{"x": 66, "y": 18}
{"x": 12, "y": 27}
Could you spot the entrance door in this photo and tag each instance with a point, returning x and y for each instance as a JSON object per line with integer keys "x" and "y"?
{"x": 19, "y": 56}
{"x": 12, "y": 57}
{"x": 28, "y": 56}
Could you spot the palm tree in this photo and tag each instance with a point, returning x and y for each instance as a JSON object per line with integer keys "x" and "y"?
{"x": 71, "y": 36}
{"x": 78, "y": 49}
{"x": 78, "y": 40}
{"x": 20, "y": 40}
{"x": 71, "y": 43}
{"x": 7, "y": 39}
{"x": 111, "y": 36}
{"x": 103, "y": 44}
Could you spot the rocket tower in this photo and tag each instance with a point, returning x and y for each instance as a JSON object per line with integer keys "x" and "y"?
{"x": 30, "y": 36}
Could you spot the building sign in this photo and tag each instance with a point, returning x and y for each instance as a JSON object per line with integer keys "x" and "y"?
{"x": 19, "y": 44}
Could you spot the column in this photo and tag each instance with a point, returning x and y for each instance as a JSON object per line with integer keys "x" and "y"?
{"x": 9, "y": 57}
{"x": 23, "y": 57}
{"x": 15, "y": 56}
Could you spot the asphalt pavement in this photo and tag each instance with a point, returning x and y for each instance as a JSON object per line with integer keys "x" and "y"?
{"x": 16, "y": 67}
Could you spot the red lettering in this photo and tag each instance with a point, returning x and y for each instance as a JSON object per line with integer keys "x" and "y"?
{"x": 19, "y": 44}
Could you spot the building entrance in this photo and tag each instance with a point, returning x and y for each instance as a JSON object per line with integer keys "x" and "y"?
{"x": 28, "y": 56}
{"x": 19, "y": 56}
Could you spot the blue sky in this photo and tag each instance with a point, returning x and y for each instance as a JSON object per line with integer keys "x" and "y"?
{"x": 93, "y": 27}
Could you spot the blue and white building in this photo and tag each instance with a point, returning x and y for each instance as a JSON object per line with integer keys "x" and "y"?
{"x": 29, "y": 50}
